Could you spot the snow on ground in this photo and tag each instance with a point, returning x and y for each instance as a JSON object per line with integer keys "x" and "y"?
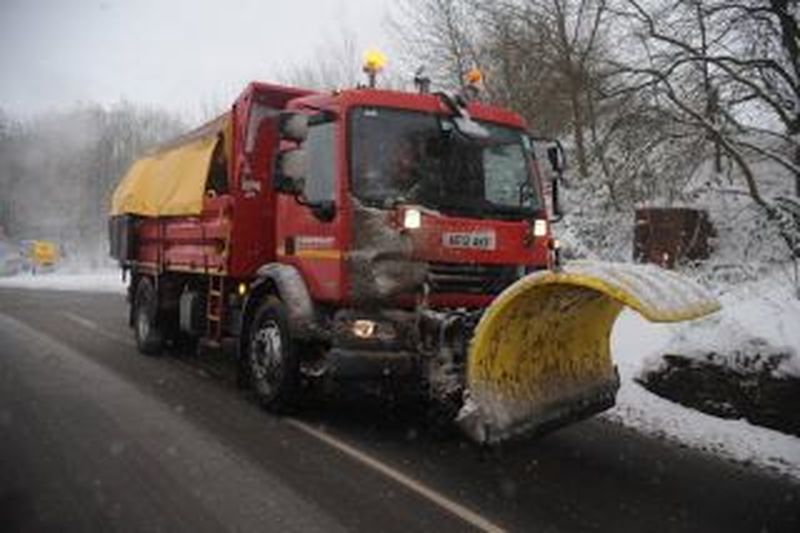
{"x": 764, "y": 310}
{"x": 758, "y": 319}
{"x": 97, "y": 281}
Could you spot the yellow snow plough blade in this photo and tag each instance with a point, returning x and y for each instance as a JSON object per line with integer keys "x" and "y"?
{"x": 540, "y": 355}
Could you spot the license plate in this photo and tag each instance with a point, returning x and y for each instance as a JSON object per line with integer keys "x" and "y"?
{"x": 477, "y": 240}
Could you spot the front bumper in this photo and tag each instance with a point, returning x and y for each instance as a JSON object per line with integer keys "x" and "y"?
{"x": 404, "y": 342}
{"x": 349, "y": 363}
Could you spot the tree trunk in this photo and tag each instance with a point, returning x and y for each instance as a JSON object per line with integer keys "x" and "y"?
{"x": 578, "y": 123}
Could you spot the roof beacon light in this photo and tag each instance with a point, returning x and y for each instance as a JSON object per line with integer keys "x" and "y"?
{"x": 374, "y": 61}
{"x": 474, "y": 76}
{"x": 474, "y": 81}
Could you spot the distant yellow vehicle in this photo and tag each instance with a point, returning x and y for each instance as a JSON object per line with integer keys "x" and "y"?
{"x": 41, "y": 254}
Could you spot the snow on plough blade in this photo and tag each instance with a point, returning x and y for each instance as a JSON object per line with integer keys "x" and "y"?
{"x": 540, "y": 355}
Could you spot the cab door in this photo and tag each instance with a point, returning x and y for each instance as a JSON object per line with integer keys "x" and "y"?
{"x": 307, "y": 234}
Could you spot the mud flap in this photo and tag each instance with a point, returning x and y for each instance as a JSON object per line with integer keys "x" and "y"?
{"x": 540, "y": 355}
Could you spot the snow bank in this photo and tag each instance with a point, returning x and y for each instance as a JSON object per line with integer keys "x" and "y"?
{"x": 763, "y": 310}
{"x": 758, "y": 320}
{"x": 98, "y": 281}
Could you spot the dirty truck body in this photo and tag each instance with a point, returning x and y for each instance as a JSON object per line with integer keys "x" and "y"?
{"x": 415, "y": 253}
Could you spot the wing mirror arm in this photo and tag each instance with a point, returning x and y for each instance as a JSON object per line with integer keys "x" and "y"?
{"x": 557, "y": 159}
{"x": 323, "y": 210}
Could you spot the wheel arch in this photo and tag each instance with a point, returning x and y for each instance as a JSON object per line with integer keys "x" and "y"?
{"x": 287, "y": 283}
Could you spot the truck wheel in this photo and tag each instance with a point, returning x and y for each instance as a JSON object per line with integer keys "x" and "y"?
{"x": 272, "y": 363}
{"x": 149, "y": 338}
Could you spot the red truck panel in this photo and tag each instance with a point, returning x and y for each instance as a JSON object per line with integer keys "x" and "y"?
{"x": 197, "y": 244}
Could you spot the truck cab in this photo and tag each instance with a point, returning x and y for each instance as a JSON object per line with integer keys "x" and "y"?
{"x": 402, "y": 215}
{"x": 398, "y": 202}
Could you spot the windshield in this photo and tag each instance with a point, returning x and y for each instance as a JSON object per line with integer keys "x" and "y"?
{"x": 407, "y": 156}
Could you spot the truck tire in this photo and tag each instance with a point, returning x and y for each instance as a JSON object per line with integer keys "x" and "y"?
{"x": 273, "y": 366}
{"x": 149, "y": 337}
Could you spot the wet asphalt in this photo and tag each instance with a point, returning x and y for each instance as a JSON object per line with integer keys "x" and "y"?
{"x": 96, "y": 437}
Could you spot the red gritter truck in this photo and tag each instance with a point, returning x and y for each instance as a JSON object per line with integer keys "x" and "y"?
{"x": 369, "y": 235}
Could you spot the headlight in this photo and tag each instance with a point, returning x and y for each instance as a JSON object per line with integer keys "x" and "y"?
{"x": 412, "y": 218}
{"x": 370, "y": 329}
{"x": 540, "y": 228}
{"x": 364, "y": 329}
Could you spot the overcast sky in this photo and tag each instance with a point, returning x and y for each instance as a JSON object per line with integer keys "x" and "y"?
{"x": 179, "y": 54}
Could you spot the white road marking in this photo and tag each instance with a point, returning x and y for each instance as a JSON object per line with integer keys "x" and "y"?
{"x": 85, "y": 322}
{"x": 431, "y": 495}
{"x": 90, "y": 324}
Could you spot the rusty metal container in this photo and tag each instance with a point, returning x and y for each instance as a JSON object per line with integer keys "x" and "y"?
{"x": 669, "y": 235}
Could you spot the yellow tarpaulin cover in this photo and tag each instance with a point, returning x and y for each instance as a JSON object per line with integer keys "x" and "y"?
{"x": 172, "y": 180}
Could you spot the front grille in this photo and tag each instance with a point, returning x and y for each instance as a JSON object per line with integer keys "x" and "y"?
{"x": 466, "y": 278}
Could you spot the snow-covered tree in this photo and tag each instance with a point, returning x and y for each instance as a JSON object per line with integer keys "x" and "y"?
{"x": 726, "y": 72}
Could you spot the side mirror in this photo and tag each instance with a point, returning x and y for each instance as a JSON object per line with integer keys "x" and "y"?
{"x": 290, "y": 178}
{"x": 294, "y": 126}
{"x": 292, "y": 171}
{"x": 558, "y": 214}
{"x": 555, "y": 154}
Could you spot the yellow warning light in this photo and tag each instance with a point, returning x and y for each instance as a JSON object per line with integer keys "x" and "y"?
{"x": 374, "y": 61}
{"x": 474, "y": 76}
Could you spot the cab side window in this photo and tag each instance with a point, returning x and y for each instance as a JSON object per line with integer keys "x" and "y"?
{"x": 217, "y": 182}
{"x": 319, "y": 146}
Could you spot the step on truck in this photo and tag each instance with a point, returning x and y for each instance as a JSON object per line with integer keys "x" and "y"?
{"x": 370, "y": 235}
